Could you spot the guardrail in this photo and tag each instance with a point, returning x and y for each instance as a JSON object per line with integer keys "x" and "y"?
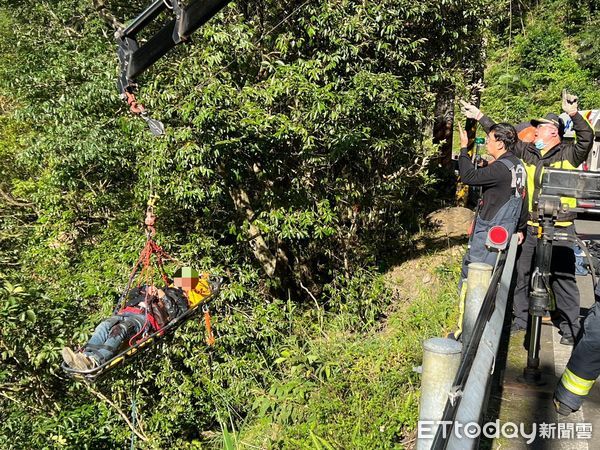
{"x": 468, "y": 391}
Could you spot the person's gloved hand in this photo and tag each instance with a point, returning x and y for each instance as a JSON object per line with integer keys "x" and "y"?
{"x": 569, "y": 103}
{"x": 470, "y": 111}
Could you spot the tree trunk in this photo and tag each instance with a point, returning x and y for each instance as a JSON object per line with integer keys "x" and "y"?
{"x": 261, "y": 250}
{"x": 443, "y": 123}
{"x": 475, "y": 86}
{"x": 275, "y": 265}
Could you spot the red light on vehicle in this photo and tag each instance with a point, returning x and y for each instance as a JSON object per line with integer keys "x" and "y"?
{"x": 497, "y": 237}
{"x": 586, "y": 205}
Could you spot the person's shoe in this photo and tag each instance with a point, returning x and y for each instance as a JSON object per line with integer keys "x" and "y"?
{"x": 72, "y": 359}
{"x": 514, "y": 329}
{"x": 561, "y": 408}
{"x": 85, "y": 361}
{"x": 567, "y": 340}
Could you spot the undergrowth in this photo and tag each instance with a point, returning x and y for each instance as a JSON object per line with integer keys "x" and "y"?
{"x": 342, "y": 388}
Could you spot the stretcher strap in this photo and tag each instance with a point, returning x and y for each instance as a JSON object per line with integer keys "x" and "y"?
{"x": 210, "y": 337}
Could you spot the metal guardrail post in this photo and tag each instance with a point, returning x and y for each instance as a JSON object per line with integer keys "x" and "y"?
{"x": 441, "y": 358}
{"x": 478, "y": 281}
{"x": 475, "y": 390}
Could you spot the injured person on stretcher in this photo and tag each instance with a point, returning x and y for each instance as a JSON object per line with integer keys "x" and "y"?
{"x": 147, "y": 309}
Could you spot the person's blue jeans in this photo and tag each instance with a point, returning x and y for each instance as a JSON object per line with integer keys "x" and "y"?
{"x": 111, "y": 333}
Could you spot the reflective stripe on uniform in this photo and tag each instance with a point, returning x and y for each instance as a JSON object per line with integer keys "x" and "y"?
{"x": 533, "y": 187}
{"x": 558, "y": 224}
{"x": 576, "y": 385}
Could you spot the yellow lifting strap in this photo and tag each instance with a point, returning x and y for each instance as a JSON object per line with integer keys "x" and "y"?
{"x": 461, "y": 309}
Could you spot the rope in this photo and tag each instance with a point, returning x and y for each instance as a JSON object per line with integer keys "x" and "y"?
{"x": 153, "y": 172}
{"x": 133, "y": 416}
{"x": 138, "y": 432}
{"x": 281, "y": 22}
{"x": 508, "y": 57}
{"x": 143, "y": 268}
{"x": 121, "y": 299}
{"x": 210, "y": 337}
{"x": 146, "y": 276}
{"x": 134, "y": 106}
{"x": 144, "y": 328}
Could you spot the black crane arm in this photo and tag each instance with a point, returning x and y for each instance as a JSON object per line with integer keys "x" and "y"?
{"x": 188, "y": 17}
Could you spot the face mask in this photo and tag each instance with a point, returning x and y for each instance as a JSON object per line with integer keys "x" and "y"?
{"x": 539, "y": 144}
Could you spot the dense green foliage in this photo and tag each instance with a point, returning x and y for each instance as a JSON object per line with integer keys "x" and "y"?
{"x": 529, "y": 69}
{"x": 295, "y": 163}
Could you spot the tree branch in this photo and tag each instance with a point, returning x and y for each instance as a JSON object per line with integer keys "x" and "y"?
{"x": 14, "y": 202}
{"x": 260, "y": 248}
{"x": 139, "y": 433}
{"x": 18, "y": 402}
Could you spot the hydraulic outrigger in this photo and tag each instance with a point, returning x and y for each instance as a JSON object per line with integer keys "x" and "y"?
{"x": 540, "y": 298}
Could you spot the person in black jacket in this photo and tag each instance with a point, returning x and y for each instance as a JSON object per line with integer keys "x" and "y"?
{"x": 147, "y": 309}
{"x": 503, "y": 192}
{"x": 548, "y": 150}
{"x": 116, "y": 331}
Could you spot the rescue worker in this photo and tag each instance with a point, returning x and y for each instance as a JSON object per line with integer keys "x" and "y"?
{"x": 147, "y": 309}
{"x": 584, "y": 365}
{"x": 548, "y": 150}
{"x": 503, "y": 191}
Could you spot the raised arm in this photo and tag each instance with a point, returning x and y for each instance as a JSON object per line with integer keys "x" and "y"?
{"x": 473, "y": 112}
{"x": 578, "y": 152}
{"x": 491, "y": 175}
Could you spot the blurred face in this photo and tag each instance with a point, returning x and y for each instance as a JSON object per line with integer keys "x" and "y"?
{"x": 186, "y": 283}
{"x": 546, "y": 132}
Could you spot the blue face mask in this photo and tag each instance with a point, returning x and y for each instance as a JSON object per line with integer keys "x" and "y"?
{"x": 539, "y": 144}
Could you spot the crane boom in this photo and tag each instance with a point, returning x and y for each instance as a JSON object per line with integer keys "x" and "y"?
{"x": 135, "y": 59}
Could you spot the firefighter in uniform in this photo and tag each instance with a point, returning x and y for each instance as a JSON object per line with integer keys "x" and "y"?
{"x": 584, "y": 365}
{"x": 548, "y": 150}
